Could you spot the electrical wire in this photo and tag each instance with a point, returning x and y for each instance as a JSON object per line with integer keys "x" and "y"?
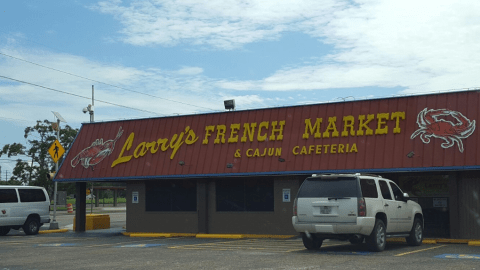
{"x": 93, "y": 80}
{"x": 75, "y": 95}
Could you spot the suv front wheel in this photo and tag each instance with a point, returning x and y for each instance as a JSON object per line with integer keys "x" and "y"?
{"x": 312, "y": 243}
{"x": 416, "y": 234}
{"x": 377, "y": 239}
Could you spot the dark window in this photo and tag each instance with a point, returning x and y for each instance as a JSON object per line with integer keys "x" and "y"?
{"x": 329, "y": 187}
{"x": 244, "y": 195}
{"x": 369, "y": 188}
{"x": 385, "y": 190}
{"x": 397, "y": 192}
{"x": 8, "y": 196}
{"x": 31, "y": 195}
{"x": 171, "y": 195}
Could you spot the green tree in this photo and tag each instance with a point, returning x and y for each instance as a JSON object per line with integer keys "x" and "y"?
{"x": 39, "y": 137}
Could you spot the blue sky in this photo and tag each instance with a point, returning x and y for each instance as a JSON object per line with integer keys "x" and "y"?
{"x": 167, "y": 57}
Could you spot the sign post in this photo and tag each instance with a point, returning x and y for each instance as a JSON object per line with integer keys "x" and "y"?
{"x": 56, "y": 151}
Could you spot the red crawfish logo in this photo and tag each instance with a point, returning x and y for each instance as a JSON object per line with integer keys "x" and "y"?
{"x": 4, "y": 211}
{"x": 434, "y": 123}
{"x": 96, "y": 152}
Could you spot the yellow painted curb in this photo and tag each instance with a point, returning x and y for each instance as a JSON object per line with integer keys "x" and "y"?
{"x": 273, "y": 236}
{"x": 133, "y": 234}
{"x": 53, "y": 231}
{"x": 150, "y": 235}
{"x": 399, "y": 240}
{"x": 474, "y": 243}
{"x": 429, "y": 241}
{"x": 223, "y": 236}
{"x": 453, "y": 241}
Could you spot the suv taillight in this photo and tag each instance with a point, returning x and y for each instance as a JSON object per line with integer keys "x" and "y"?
{"x": 362, "y": 207}
{"x": 295, "y": 207}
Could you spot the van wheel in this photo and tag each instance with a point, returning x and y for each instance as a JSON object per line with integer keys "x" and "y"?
{"x": 4, "y": 230}
{"x": 31, "y": 226}
{"x": 416, "y": 234}
{"x": 377, "y": 239}
{"x": 311, "y": 243}
{"x": 357, "y": 239}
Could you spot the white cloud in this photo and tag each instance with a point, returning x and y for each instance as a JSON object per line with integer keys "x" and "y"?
{"x": 161, "y": 89}
{"x": 190, "y": 71}
{"x": 223, "y": 24}
{"x": 415, "y": 45}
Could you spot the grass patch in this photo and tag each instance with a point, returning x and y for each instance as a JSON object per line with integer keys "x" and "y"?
{"x": 100, "y": 201}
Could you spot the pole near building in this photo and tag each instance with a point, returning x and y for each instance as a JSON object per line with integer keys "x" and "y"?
{"x": 54, "y": 224}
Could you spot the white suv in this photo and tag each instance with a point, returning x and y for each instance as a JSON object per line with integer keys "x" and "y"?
{"x": 24, "y": 207}
{"x": 355, "y": 207}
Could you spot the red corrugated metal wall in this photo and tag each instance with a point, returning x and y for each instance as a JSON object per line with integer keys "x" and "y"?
{"x": 359, "y": 152}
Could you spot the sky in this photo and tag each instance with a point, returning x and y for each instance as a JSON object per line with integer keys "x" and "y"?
{"x": 175, "y": 57}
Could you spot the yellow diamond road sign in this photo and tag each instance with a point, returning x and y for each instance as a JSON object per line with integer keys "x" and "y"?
{"x": 56, "y": 151}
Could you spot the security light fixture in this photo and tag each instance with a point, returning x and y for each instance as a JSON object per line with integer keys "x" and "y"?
{"x": 229, "y": 165}
{"x": 181, "y": 162}
{"x": 229, "y": 104}
{"x": 281, "y": 159}
{"x": 411, "y": 154}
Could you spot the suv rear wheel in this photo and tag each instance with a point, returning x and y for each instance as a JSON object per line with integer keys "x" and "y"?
{"x": 4, "y": 230}
{"x": 377, "y": 239}
{"x": 312, "y": 243}
{"x": 416, "y": 234}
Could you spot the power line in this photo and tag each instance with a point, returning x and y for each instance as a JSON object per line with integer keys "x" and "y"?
{"x": 78, "y": 76}
{"x": 75, "y": 95}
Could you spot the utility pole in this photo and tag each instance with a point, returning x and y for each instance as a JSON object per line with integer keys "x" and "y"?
{"x": 91, "y": 121}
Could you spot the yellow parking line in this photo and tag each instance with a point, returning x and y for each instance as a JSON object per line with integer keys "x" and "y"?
{"x": 420, "y": 250}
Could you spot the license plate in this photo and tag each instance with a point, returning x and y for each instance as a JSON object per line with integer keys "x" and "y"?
{"x": 325, "y": 210}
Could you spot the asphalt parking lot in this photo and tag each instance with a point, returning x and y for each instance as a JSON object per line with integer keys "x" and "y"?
{"x": 110, "y": 249}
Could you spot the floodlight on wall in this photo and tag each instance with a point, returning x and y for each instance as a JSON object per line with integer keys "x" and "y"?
{"x": 281, "y": 159}
{"x": 181, "y": 162}
{"x": 411, "y": 154}
{"x": 229, "y": 165}
{"x": 229, "y": 104}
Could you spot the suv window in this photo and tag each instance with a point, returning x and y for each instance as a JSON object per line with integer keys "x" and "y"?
{"x": 369, "y": 188}
{"x": 31, "y": 195}
{"x": 8, "y": 196}
{"x": 385, "y": 190}
{"x": 335, "y": 187}
{"x": 397, "y": 192}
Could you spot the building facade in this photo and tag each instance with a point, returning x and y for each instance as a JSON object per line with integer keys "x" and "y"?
{"x": 239, "y": 171}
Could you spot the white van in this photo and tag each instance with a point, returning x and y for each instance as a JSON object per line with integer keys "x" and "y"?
{"x": 25, "y": 207}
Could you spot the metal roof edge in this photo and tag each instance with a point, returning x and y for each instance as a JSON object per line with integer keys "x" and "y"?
{"x": 150, "y": 177}
{"x": 436, "y": 92}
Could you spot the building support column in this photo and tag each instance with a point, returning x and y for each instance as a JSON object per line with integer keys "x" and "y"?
{"x": 453, "y": 179}
{"x": 202, "y": 206}
{"x": 80, "y": 206}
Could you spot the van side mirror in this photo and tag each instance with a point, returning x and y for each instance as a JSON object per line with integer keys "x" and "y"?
{"x": 406, "y": 197}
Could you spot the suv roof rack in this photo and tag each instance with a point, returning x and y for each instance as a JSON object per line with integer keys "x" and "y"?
{"x": 371, "y": 174}
{"x": 356, "y": 174}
